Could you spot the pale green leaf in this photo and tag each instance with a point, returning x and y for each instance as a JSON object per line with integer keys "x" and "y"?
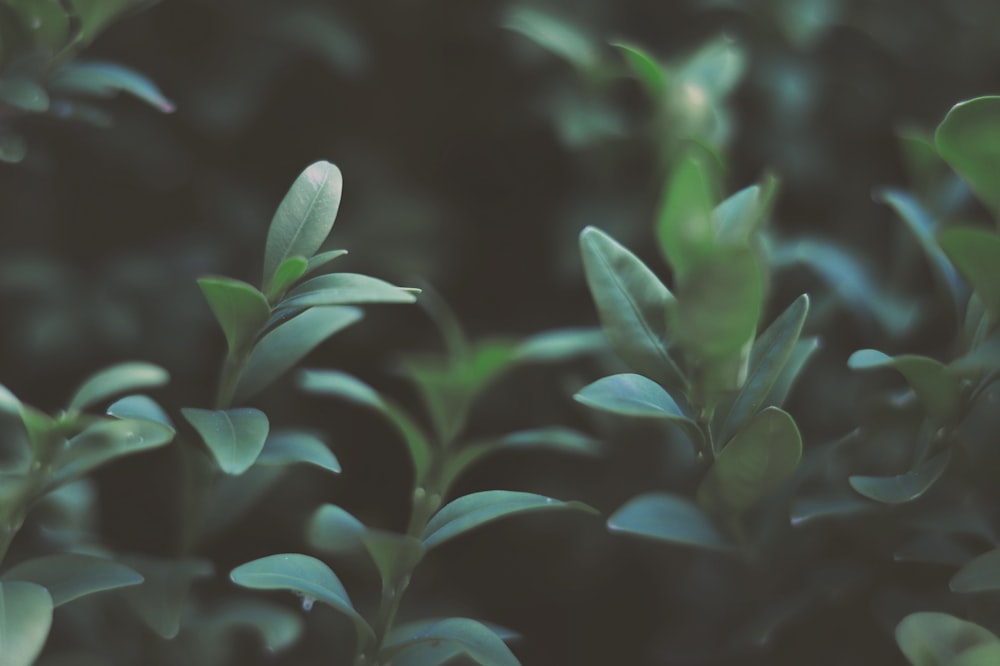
{"x": 25, "y": 619}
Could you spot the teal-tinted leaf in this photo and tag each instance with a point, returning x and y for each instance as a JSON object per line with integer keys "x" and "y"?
{"x": 645, "y": 68}
{"x": 561, "y": 345}
{"x": 239, "y": 308}
{"x": 969, "y": 140}
{"x": 161, "y": 599}
{"x": 922, "y": 226}
{"x": 69, "y": 576}
{"x": 287, "y": 344}
{"x": 24, "y": 95}
{"x": 553, "y": 34}
{"x": 667, "y": 518}
{"x": 286, "y": 447}
{"x": 303, "y": 575}
{"x": 140, "y": 407}
{"x": 437, "y": 643}
{"x": 278, "y": 626}
{"x": 345, "y": 289}
{"x": 25, "y": 619}
{"x": 105, "y": 441}
{"x": 980, "y": 575}
{"x": 719, "y": 304}
{"x": 631, "y": 395}
{"x": 555, "y": 438}
{"x": 36, "y": 424}
{"x": 394, "y": 555}
{"x": 758, "y": 459}
{"x": 343, "y": 385}
{"x": 768, "y": 358}
{"x": 117, "y": 379}
{"x": 740, "y": 215}
{"x": 936, "y": 639}
{"x": 976, "y": 253}
{"x": 471, "y": 511}
{"x": 234, "y": 436}
{"x": 105, "y": 79}
{"x": 684, "y": 224}
{"x": 905, "y": 487}
{"x": 332, "y": 529}
{"x": 801, "y": 353}
{"x": 632, "y": 304}
{"x": 939, "y": 391}
{"x": 303, "y": 219}
{"x": 809, "y": 509}
{"x": 984, "y": 359}
{"x": 320, "y": 260}
{"x": 288, "y": 273}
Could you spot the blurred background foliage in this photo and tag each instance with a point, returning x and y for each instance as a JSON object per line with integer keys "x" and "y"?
{"x": 476, "y": 140}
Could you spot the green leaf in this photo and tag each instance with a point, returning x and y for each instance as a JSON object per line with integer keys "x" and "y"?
{"x": 317, "y": 261}
{"x": 768, "y": 358}
{"x": 69, "y": 576}
{"x": 303, "y": 575}
{"x": 343, "y": 385}
{"x": 25, "y": 619}
{"x": 828, "y": 505}
{"x": 140, "y": 407}
{"x": 632, "y": 395}
{"x": 289, "y": 343}
{"x": 24, "y": 95}
{"x": 982, "y": 360}
{"x": 285, "y": 447}
{"x": 117, "y": 379}
{"x": 987, "y": 654}
{"x": 332, "y": 529}
{"x": 437, "y": 643}
{"x": 471, "y": 511}
{"x": 645, "y": 68}
{"x": 47, "y": 21}
{"x": 555, "y": 438}
{"x": 234, "y": 436}
{"x": 801, "y": 353}
{"x": 905, "y": 487}
{"x": 345, "y": 289}
{"x": 632, "y": 304}
{"x": 102, "y": 442}
{"x": 758, "y": 459}
{"x": 976, "y": 253}
{"x": 161, "y": 599}
{"x": 394, "y": 555}
{"x": 560, "y": 345}
{"x": 969, "y": 140}
{"x": 719, "y": 304}
{"x": 106, "y": 79}
{"x": 936, "y": 639}
{"x": 684, "y": 224}
{"x": 288, "y": 273}
{"x": 95, "y": 15}
{"x": 278, "y": 626}
{"x": 669, "y": 518}
{"x": 980, "y": 575}
{"x": 939, "y": 391}
{"x": 239, "y": 308}
{"x": 303, "y": 219}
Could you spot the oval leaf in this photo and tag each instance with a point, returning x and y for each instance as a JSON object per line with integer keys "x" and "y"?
{"x": 939, "y": 391}
{"x": 69, "y": 576}
{"x": 239, "y": 308}
{"x": 936, "y": 639}
{"x": 976, "y": 253}
{"x": 684, "y": 224}
{"x": 117, "y": 379}
{"x": 668, "y": 518}
{"x": 303, "y": 219}
{"x": 345, "y": 289}
{"x": 471, "y": 511}
{"x": 332, "y": 529}
{"x": 140, "y": 407}
{"x": 286, "y": 447}
{"x": 969, "y": 140}
{"x": 437, "y": 642}
{"x": 905, "y": 487}
{"x": 288, "y": 273}
{"x": 980, "y": 575}
{"x": 631, "y": 395}
{"x": 25, "y": 619}
{"x": 235, "y": 436}
{"x": 645, "y": 68}
{"x": 280, "y": 627}
{"x": 287, "y": 344}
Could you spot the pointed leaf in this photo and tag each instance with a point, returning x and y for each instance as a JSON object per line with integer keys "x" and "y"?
{"x": 632, "y": 304}
{"x": 740, "y": 215}
{"x": 25, "y": 619}
{"x": 471, "y": 511}
{"x": 140, "y": 407}
{"x": 436, "y": 642}
{"x": 561, "y": 345}
{"x": 303, "y": 575}
{"x": 556, "y": 438}
{"x": 286, "y": 447}
{"x": 69, "y": 576}
{"x": 117, "y": 379}
{"x": 105, "y": 79}
{"x": 289, "y": 343}
{"x": 332, "y": 529}
{"x": 239, "y": 308}
{"x": 645, "y": 68}
{"x": 161, "y": 599}
{"x": 288, "y": 273}
{"x": 304, "y": 218}
{"x": 801, "y": 353}
{"x": 758, "y": 459}
{"x": 905, "y": 487}
{"x": 684, "y": 224}
{"x": 668, "y": 518}
{"x": 345, "y": 289}
{"x": 976, "y": 253}
{"x": 980, "y": 575}
{"x": 969, "y": 140}
{"x": 235, "y": 436}
{"x": 320, "y": 260}
{"x": 936, "y": 639}
{"x": 939, "y": 391}
{"x": 631, "y": 395}
{"x": 768, "y": 358}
